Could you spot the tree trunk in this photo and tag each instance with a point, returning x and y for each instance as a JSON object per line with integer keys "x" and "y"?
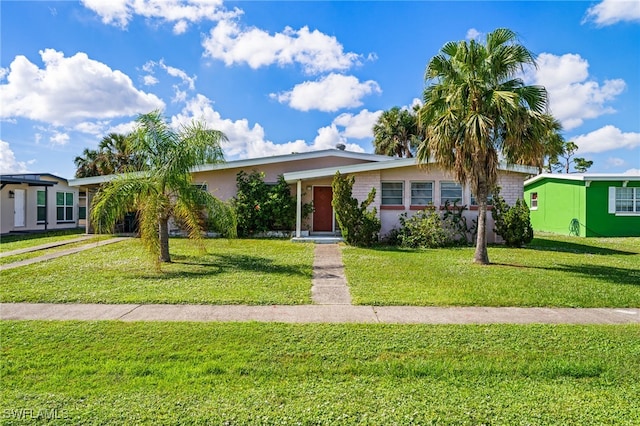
{"x": 164, "y": 240}
{"x": 481, "y": 256}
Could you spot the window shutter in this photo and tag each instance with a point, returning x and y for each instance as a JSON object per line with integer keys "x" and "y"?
{"x": 612, "y": 199}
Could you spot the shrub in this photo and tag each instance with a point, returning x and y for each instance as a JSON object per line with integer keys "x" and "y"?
{"x": 512, "y": 223}
{"x": 359, "y": 226}
{"x": 261, "y": 207}
{"x": 425, "y": 229}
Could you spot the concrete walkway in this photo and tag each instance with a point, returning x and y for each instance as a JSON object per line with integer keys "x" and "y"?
{"x": 332, "y": 304}
{"x": 319, "y": 314}
{"x": 46, "y": 246}
{"x": 60, "y": 253}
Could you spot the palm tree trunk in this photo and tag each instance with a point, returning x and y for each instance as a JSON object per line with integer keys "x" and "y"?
{"x": 164, "y": 240}
{"x": 481, "y": 256}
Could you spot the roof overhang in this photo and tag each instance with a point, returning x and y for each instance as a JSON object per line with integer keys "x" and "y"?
{"x": 583, "y": 177}
{"x": 17, "y": 180}
{"x": 394, "y": 164}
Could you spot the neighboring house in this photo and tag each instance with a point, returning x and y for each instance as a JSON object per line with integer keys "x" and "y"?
{"x": 587, "y": 204}
{"x": 401, "y": 185}
{"x": 37, "y": 202}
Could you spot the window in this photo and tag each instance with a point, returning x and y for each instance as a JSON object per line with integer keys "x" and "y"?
{"x": 450, "y": 191}
{"x": 534, "y": 201}
{"x": 64, "y": 206}
{"x": 41, "y": 206}
{"x": 627, "y": 200}
{"x": 392, "y": 193}
{"x": 489, "y": 200}
{"x": 421, "y": 193}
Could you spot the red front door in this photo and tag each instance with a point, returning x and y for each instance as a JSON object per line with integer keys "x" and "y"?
{"x": 322, "y": 209}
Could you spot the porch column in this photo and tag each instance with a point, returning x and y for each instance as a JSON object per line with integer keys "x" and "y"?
{"x": 298, "y": 207}
{"x": 88, "y": 199}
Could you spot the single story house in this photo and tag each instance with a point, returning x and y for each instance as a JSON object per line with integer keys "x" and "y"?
{"x": 401, "y": 184}
{"x": 585, "y": 204}
{"x": 37, "y": 202}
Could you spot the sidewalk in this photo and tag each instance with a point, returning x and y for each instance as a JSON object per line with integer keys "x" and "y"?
{"x": 332, "y": 304}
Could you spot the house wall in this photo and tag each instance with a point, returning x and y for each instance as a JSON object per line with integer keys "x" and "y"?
{"x": 599, "y": 222}
{"x": 561, "y": 206}
{"x": 31, "y": 196}
{"x": 511, "y": 189}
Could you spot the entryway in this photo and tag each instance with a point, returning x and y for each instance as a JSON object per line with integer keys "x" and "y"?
{"x": 322, "y": 209}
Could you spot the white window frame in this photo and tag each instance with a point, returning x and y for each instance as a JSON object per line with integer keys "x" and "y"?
{"x": 428, "y": 203}
{"x": 533, "y": 200}
{"x": 382, "y": 194}
{"x": 614, "y": 201}
{"x": 65, "y": 207}
{"x": 442, "y": 198}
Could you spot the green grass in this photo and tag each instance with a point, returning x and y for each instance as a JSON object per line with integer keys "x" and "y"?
{"x": 36, "y": 253}
{"x": 20, "y": 241}
{"x": 250, "y": 373}
{"x": 551, "y": 271}
{"x": 260, "y": 272}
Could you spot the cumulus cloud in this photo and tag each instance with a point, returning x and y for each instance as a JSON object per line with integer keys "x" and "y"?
{"x": 609, "y": 12}
{"x": 473, "y": 34}
{"x": 8, "y": 161}
{"x": 573, "y": 96}
{"x": 330, "y": 93}
{"x": 59, "y": 138}
{"x": 178, "y": 12}
{"x": 246, "y": 141}
{"x": 632, "y": 172}
{"x": 68, "y": 90}
{"x": 606, "y": 138}
{"x": 358, "y": 126}
{"x": 315, "y": 51}
{"x": 615, "y": 162}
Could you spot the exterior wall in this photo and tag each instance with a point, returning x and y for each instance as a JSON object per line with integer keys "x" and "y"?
{"x": 561, "y": 206}
{"x": 222, "y": 183}
{"x": 31, "y": 194}
{"x": 511, "y": 184}
{"x": 599, "y": 222}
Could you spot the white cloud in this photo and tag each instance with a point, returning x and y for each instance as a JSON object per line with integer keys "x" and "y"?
{"x": 8, "y": 162}
{"x": 315, "y": 51}
{"x": 609, "y": 12}
{"x": 573, "y": 97}
{"x": 607, "y": 138}
{"x": 150, "y": 80}
{"x": 358, "y": 126}
{"x": 180, "y": 12}
{"x": 473, "y": 34}
{"x": 615, "y": 162}
{"x": 247, "y": 141}
{"x": 59, "y": 138}
{"x": 632, "y": 172}
{"x": 69, "y": 90}
{"x": 330, "y": 93}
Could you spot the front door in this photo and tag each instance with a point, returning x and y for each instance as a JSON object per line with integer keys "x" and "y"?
{"x": 18, "y": 208}
{"x": 322, "y": 209}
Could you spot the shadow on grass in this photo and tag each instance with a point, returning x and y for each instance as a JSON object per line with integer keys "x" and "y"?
{"x": 570, "y": 247}
{"x": 610, "y": 274}
{"x": 222, "y": 263}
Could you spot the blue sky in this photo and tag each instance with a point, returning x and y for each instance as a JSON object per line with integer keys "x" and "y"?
{"x": 282, "y": 77}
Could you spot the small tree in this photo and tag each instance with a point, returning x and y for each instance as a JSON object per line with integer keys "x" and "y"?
{"x": 359, "y": 226}
{"x": 512, "y": 223}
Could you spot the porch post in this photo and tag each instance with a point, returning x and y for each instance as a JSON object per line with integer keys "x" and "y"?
{"x": 88, "y": 199}
{"x": 298, "y": 207}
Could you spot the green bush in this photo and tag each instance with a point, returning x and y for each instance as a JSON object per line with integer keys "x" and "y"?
{"x": 261, "y": 207}
{"x": 512, "y": 223}
{"x": 425, "y": 229}
{"x": 359, "y": 226}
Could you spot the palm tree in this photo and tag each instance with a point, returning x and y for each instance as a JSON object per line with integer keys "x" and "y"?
{"x": 87, "y": 164}
{"x": 165, "y": 190}
{"x": 477, "y": 109}
{"x": 395, "y": 133}
{"x": 119, "y": 155}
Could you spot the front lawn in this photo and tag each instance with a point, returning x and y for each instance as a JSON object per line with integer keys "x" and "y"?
{"x": 20, "y": 241}
{"x": 251, "y": 373}
{"x": 260, "y": 272}
{"x": 551, "y": 271}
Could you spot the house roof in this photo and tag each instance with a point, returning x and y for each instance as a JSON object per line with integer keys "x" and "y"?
{"x": 30, "y": 179}
{"x": 393, "y": 164}
{"x": 584, "y": 177}
{"x": 252, "y": 162}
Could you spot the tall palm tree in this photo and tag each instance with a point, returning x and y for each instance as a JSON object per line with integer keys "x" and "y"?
{"x": 118, "y": 152}
{"x": 477, "y": 109}
{"x": 395, "y": 133}
{"x": 87, "y": 164}
{"x": 165, "y": 190}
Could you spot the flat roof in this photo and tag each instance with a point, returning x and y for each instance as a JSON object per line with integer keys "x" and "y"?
{"x": 29, "y": 179}
{"x": 584, "y": 177}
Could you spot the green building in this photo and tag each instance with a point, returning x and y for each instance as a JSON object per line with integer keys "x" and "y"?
{"x": 586, "y": 204}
